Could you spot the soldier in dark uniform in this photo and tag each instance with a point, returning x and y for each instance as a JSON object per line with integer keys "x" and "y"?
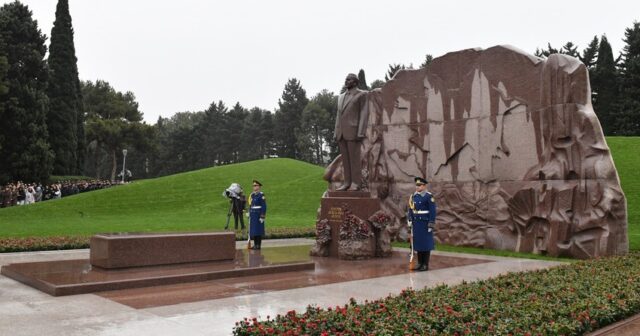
{"x": 422, "y": 219}
{"x": 237, "y": 207}
{"x": 257, "y": 212}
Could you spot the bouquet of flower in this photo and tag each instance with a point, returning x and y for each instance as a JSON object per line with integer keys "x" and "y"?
{"x": 380, "y": 220}
{"x": 323, "y": 232}
{"x": 353, "y": 228}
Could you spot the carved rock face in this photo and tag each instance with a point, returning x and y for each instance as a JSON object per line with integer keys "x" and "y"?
{"x": 511, "y": 146}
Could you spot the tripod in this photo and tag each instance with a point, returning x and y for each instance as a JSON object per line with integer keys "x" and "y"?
{"x": 226, "y": 227}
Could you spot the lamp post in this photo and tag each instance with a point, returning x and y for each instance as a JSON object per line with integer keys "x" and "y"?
{"x": 124, "y": 161}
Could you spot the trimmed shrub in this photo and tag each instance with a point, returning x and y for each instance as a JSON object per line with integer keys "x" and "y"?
{"x": 572, "y": 299}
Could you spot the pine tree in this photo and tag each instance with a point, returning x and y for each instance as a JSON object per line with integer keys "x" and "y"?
{"x": 267, "y": 137}
{"x": 376, "y": 84}
{"x": 25, "y": 153}
{"x": 427, "y": 60}
{"x": 393, "y": 69}
{"x": 627, "y": 116}
{"x": 603, "y": 85}
{"x": 4, "y": 85}
{"x": 362, "y": 81}
{"x": 288, "y": 117}
{"x": 570, "y": 49}
{"x": 590, "y": 54}
{"x": 544, "y": 53}
{"x": 64, "y": 95}
{"x": 209, "y": 137}
{"x": 251, "y": 142}
{"x": 589, "y": 57}
{"x": 234, "y": 124}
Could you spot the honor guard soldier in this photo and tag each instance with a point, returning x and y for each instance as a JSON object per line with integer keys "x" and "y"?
{"x": 421, "y": 220}
{"x": 257, "y": 212}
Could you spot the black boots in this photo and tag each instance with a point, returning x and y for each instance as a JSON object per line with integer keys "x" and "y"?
{"x": 257, "y": 242}
{"x": 423, "y": 261}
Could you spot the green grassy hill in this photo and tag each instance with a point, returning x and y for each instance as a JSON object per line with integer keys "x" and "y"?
{"x": 626, "y": 155}
{"x": 189, "y": 201}
{"x": 193, "y": 201}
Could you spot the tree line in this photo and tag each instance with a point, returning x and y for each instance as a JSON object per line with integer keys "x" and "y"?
{"x": 615, "y": 81}
{"x": 53, "y": 123}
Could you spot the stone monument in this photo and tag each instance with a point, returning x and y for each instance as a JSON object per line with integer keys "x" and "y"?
{"x": 351, "y": 224}
{"x": 511, "y": 146}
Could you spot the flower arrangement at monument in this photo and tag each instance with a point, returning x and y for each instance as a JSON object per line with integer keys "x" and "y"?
{"x": 353, "y": 228}
{"x": 572, "y": 299}
{"x": 357, "y": 240}
{"x": 380, "y": 220}
{"x": 323, "y": 232}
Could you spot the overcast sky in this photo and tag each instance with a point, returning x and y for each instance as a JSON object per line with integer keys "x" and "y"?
{"x": 182, "y": 55}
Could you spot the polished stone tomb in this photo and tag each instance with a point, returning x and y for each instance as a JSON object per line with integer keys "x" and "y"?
{"x": 147, "y": 249}
{"x": 127, "y": 261}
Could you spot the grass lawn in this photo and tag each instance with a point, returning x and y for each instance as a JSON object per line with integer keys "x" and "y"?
{"x": 626, "y": 155}
{"x": 189, "y": 201}
{"x": 193, "y": 201}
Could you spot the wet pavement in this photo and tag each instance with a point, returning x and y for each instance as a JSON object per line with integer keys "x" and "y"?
{"x": 213, "y": 307}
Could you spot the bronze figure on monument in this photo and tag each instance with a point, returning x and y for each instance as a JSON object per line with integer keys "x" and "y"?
{"x": 351, "y": 125}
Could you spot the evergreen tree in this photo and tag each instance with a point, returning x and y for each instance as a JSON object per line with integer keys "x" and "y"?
{"x": 376, "y": 84}
{"x": 427, "y": 60}
{"x": 180, "y": 145}
{"x": 113, "y": 121}
{"x": 544, "y": 53}
{"x": 589, "y": 57}
{"x": 25, "y": 153}
{"x": 64, "y": 94}
{"x": 267, "y": 137}
{"x": 393, "y": 68}
{"x": 251, "y": 147}
{"x": 288, "y": 118}
{"x": 590, "y": 54}
{"x": 314, "y": 132}
{"x": 234, "y": 123}
{"x": 4, "y": 85}
{"x": 328, "y": 102}
{"x": 627, "y": 116}
{"x": 603, "y": 86}
{"x": 362, "y": 81}
{"x": 206, "y": 148}
{"x": 570, "y": 49}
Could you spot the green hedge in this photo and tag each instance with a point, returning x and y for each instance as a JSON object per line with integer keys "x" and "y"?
{"x": 571, "y": 299}
{"x": 78, "y": 242}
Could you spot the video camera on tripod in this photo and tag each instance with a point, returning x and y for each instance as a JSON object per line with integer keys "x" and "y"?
{"x": 235, "y": 195}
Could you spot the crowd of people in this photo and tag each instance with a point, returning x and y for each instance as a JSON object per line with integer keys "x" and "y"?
{"x": 19, "y": 193}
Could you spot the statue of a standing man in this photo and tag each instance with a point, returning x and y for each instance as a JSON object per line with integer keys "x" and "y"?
{"x": 351, "y": 125}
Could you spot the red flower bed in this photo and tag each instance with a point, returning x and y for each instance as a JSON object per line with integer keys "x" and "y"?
{"x": 568, "y": 300}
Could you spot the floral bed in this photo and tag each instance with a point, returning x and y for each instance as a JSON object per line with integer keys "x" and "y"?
{"x": 567, "y": 300}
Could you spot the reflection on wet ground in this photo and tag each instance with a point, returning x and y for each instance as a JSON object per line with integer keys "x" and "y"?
{"x": 327, "y": 270}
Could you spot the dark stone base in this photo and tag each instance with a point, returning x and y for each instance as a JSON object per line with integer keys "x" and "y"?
{"x": 147, "y": 249}
{"x": 362, "y": 205}
{"x": 71, "y": 277}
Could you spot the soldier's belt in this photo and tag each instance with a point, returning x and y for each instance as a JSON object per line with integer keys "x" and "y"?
{"x": 421, "y": 212}
{"x": 256, "y": 207}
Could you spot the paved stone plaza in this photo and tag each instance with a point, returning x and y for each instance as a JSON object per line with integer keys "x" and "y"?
{"x": 27, "y": 311}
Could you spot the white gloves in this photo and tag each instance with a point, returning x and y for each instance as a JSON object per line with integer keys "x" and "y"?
{"x": 261, "y": 220}
{"x": 409, "y": 224}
